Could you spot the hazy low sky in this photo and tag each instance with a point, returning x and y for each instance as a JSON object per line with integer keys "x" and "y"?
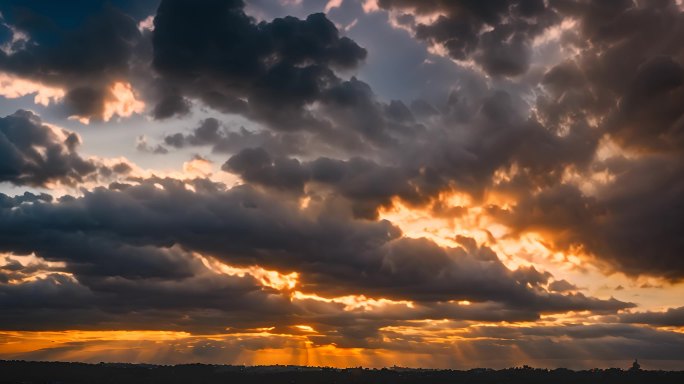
{"x": 422, "y": 183}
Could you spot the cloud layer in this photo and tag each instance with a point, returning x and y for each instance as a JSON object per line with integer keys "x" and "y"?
{"x": 545, "y": 150}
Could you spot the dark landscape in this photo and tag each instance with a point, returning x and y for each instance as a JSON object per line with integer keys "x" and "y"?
{"x": 59, "y": 372}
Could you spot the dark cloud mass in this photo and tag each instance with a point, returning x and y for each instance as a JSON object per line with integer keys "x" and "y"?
{"x": 673, "y": 317}
{"x": 129, "y": 250}
{"x": 34, "y": 154}
{"x": 497, "y": 35}
{"x": 268, "y": 71}
{"x": 82, "y": 48}
{"x": 635, "y": 94}
{"x": 242, "y": 226}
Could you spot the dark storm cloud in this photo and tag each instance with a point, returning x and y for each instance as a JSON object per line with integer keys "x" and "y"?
{"x": 497, "y": 35}
{"x": 33, "y": 154}
{"x": 81, "y": 47}
{"x": 256, "y": 166}
{"x": 416, "y": 162}
{"x": 638, "y": 215}
{"x": 171, "y": 105}
{"x": 211, "y": 132}
{"x": 269, "y": 71}
{"x": 128, "y": 233}
{"x": 642, "y": 213}
{"x": 279, "y": 73}
{"x": 628, "y": 87}
{"x": 672, "y": 317}
{"x": 633, "y": 224}
{"x": 211, "y": 303}
{"x": 124, "y": 267}
{"x": 417, "y": 165}
{"x": 497, "y": 136}
{"x": 367, "y": 184}
{"x": 27, "y": 197}
{"x": 356, "y": 123}
{"x": 203, "y": 302}
{"x": 650, "y": 110}
{"x": 207, "y": 133}
{"x": 562, "y": 286}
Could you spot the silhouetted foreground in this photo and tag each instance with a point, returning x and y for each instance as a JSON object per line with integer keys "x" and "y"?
{"x": 54, "y": 372}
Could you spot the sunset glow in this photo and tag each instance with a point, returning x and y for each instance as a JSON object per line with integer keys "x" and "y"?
{"x": 376, "y": 183}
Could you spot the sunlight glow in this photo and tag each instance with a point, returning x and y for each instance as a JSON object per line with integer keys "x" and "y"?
{"x": 354, "y": 302}
{"x": 123, "y": 102}
{"x": 14, "y": 87}
{"x": 267, "y": 278}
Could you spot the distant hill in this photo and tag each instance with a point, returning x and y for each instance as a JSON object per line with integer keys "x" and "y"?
{"x": 59, "y": 372}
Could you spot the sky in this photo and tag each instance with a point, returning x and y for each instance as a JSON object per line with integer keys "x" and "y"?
{"x": 433, "y": 183}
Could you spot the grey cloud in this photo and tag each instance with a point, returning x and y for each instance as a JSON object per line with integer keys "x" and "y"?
{"x": 171, "y": 105}
{"x": 143, "y": 146}
{"x": 417, "y": 166}
{"x": 138, "y": 226}
{"x": 355, "y": 122}
{"x": 27, "y": 197}
{"x": 32, "y": 154}
{"x": 638, "y": 214}
{"x": 672, "y": 317}
{"x": 562, "y": 286}
{"x": 366, "y": 183}
{"x": 502, "y": 50}
{"x": 626, "y": 87}
{"x": 199, "y": 303}
{"x": 215, "y": 134}
{"x": 84, "y": 57}
{"x": 268, "y": 71}
{"x": 256, "y": 166}
{"x": 650, "y": 110}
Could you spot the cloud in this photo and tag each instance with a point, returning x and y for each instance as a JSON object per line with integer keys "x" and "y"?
{"x": 419, "y": 163}
{"x": 14, "y": 87}
{"x": 34, "y": 154}
{"x": 390, "y": 151}
{"x": 497, "y": 35}
{"x": 562, "y": 286}
{"x": 270, "y": 71}
{"x": 85, "y": 58}
{"x": 172, "y": 105}
{"x": 142, "y": 145}
{"x": 672, "y": 317}
{"x": 146, "y": 231}
{"x": 196, "y": 303}
{"x": 628, "y": 98}
{"x": 637, "y": 214}
{"x": 213, "y": 133}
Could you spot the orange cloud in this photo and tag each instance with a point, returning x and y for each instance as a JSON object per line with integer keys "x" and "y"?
{"x": 13, "y": 87}
{"x": 121, "y": 101}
